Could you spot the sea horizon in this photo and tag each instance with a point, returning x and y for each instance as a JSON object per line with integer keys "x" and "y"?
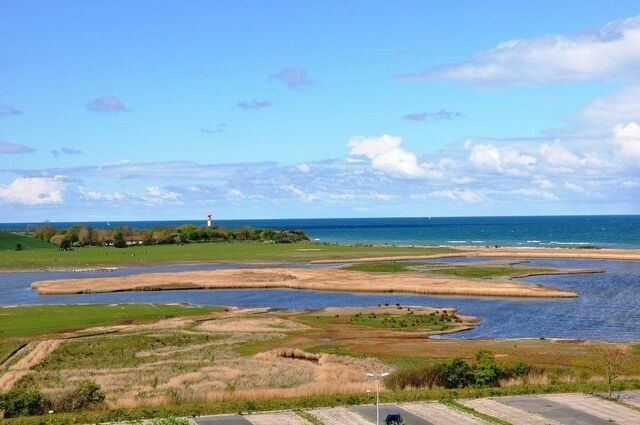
{"x": 586, "y": 231}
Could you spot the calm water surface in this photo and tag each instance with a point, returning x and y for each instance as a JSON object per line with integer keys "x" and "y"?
{"x": 608, "y": 307}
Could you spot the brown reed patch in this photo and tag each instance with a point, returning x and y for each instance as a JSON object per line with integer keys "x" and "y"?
{"x": 252, "y": 325}
{"x": 298, "y": 278}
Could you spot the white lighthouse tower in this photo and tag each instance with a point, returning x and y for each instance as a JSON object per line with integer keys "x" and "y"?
{"x": 209, "y": 220}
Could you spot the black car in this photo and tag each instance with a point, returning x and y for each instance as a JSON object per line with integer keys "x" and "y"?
{"x": 393, "y": 418}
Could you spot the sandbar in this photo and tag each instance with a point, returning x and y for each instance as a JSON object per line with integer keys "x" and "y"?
{"x": 299, "y": 278}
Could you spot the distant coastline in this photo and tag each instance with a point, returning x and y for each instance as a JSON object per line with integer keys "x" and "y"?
{"x": 599, "y": 231}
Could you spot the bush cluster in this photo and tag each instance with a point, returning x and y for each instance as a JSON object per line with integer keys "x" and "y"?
{"x": 456, "y": 373}
{"x": 28, "y": 402}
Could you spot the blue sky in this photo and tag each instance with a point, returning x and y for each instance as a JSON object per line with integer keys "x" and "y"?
{"x": 268, "y": 109}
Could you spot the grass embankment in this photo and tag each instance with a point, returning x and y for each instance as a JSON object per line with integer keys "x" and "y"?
{"x": 306, "y": 402}
{"x": 39, "y": 320}
{"x": 202, "y": 253}
{"x": 9, "y": 240}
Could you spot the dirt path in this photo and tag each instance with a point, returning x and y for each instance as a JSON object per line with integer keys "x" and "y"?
{"x": 298, "y": 278}
{"x": 15, "y": 372}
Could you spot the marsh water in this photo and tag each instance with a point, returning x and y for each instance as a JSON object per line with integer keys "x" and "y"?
{"x": 608, "y": 306}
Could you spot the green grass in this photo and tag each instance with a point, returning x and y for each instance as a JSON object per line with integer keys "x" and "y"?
{"x": 392, "y": 267}
{"x": 8, "y": 241}
{"x": 103, "y": 352}
{"x": 6, "y": 348}
{"x": 200, "y": 253}
{"x": 404, "y": 321}
{"x": 337, "y": 349}
{"x": 485, "y": 272}
{"x": 400, "y": 321}
{"x": 37, "y": 320}
{"x": 255, "y": 346}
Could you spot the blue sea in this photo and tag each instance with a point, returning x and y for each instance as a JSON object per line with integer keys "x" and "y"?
{"x": 610, "y": 231}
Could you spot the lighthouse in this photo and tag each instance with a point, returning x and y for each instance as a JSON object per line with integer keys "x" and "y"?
{"x": 209, "y": 220}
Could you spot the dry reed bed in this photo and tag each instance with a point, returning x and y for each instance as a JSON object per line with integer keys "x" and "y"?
{"x": 18, "y": 370}
{"x": 293, "y": 278}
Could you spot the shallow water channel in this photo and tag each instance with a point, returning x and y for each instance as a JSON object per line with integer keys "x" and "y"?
{"x": 608, "y": 307}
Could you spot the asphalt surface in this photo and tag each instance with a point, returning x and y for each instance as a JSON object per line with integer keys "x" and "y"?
{"x": 369, "y": 412}
{"x": 552, "y": 410}
{"x": 222, "y": 420}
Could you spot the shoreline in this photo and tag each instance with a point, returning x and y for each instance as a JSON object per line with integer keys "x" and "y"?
{"x": 337, "y": 280}
{"x": 621, "y": 254}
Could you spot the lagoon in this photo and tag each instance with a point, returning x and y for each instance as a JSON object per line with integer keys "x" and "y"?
{"x": 608, "y": 307}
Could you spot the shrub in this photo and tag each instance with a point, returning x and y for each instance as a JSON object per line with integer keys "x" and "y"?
{"x": 86, "y": 394}
{"x": 21, "y": 402}
{"x": 520, "y": 369}
{"x": 487, "y": 372}
{"x": 456, "y": 373}
{"x": 18, "y": 246}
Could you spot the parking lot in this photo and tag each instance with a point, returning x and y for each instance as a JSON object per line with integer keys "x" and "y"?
{"x": 549, "y": 409}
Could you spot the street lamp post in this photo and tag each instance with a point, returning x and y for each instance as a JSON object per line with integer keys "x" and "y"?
{"x": 377, "y": 376}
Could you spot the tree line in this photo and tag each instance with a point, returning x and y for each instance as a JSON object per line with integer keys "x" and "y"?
{"x": 123, "y": 236}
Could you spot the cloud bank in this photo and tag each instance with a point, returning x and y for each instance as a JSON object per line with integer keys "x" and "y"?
{"x": 609, "y": 53}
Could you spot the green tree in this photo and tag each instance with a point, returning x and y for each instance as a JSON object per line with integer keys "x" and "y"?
{"x": 456, "y": 373}
{"x": 118, "y": 240}
{"x": 610, "y": 363}
{"x": 487, "y": 372}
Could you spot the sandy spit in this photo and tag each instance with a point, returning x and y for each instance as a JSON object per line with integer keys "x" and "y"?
{"x": 295, "y": 278}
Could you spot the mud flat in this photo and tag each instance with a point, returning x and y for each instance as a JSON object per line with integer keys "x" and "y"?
{"x": 296, "y": 278}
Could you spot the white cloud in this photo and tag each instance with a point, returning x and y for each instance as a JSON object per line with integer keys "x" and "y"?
{"x": 543, "y": 183}
{"x": 557, "y": 154}
{"x": 531, "y": 192}
{"x": 303, "y": 167}
{"x": 627, "y": 140}
{"x": 464, "y": 195}
{"x": 505, "y": 159}
{"x": 622, "y": 105}
{"x": 99, "y": 196}
{"x": 387, "y": 156}
{"x": 156, "y": 195}
{"x": 611, "y": 52}
{"x": 574, "y": 188}
{"x": 33, "y": 191}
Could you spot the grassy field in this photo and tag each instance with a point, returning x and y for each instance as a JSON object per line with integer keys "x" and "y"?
{"x": 460, "y": 270}
{"x": 385, "y": 267}
{"x": 200, "y": 253}
{"x": 487, "y": 272}
{"x": 400, "y": 321}
{"x": 38, "y": 320}
{"x": 8, "y": 241}
{"x": 238, "y": 359}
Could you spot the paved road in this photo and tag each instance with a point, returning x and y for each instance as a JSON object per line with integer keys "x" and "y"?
{"x": 222, "y": 420}
{"x": 548, "y": 409}
{"x": 408, "y": 418}
{"x": 631, "y": 397}
{"x": 553, "y": 410}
